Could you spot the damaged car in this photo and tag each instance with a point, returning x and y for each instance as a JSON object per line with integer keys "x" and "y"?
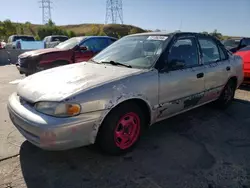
{"x": 112, "y": 98}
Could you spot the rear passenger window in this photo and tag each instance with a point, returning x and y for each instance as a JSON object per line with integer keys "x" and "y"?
{"x": 183, "y": 54}
{"x": 210, "y": 51}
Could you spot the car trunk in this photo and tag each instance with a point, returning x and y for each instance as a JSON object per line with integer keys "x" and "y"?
{"x": 245, "y": 55}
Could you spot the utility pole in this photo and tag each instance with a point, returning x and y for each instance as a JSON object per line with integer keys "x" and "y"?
{"x": 114, "y": 12}
{"x": 46, "y": 10}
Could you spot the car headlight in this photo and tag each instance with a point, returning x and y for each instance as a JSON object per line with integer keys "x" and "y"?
{"x": 58, "y": 109}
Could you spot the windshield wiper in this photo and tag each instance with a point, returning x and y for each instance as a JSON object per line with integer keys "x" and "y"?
{"x": 92, "y": 61}
{"x": 116, "y": 63}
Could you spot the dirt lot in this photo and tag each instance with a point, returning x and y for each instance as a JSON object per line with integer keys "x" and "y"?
{"x": 201, "y": 148}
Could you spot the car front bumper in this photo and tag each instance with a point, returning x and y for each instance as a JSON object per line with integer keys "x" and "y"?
{"x": 52, "y": 133}
{"x": 22, "y": 70}
{"x": 246, "y": 77}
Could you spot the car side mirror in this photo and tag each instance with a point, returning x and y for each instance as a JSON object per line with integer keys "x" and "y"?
{"x": 176, "y": 64}
{"x": 83, "y": 48}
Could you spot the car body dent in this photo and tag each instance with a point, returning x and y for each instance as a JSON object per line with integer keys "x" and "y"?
{"x": 69, "y": 80}
{"x": 108, "y": 96}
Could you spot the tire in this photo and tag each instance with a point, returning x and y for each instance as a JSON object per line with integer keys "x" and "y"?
{"x": 117, "y": 135}
{"x": 227, "y": 95}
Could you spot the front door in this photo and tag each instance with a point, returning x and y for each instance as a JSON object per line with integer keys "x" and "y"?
{"x": 217, "y": 67}
{"x": 182, "y": 86}
{"x": 94, "y": 46}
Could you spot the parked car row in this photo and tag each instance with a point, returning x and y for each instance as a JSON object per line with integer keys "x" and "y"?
{"x": 49, "y": 41}
{"x": 120, "y": 88}
{"x": 74, "y": 50}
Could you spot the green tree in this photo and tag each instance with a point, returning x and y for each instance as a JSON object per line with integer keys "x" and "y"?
{"x": 29, "y": 28}
{"x": 37, "y": 37}
{"x": 204, "y": 32}
{"x": 216, "y": 34}
{"x": 50, "y": 23}
{"x": 71, "y": 34}
{"x": 10, "y": 28}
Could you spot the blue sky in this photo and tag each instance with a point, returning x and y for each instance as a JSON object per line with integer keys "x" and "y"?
{"x": 230, "y": 17}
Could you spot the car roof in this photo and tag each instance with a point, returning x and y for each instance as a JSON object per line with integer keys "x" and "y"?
{"x": 100, "y": 37}
{"x": 168, "y": 34}
{"x": 57, "y": 36}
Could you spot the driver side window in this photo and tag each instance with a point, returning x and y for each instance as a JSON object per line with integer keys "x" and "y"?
{"x": 90, "y": 44}
{"x": 183, "y": 54}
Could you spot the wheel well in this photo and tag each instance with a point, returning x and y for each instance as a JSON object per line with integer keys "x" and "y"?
{"x": 141, "y": 103}
{"x": 234, "y": 80}
{"x": 143, "y": 106}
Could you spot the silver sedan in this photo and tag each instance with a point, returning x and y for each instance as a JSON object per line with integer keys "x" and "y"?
{"x": 133, "y": 83}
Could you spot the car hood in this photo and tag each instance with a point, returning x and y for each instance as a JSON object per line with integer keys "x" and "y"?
{"x": 39, "y": 52}
{"x": 57, "y": 84}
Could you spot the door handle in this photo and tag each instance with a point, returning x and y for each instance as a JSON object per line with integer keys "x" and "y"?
{"x": 228, "y": 68}
{"x": 200, "y": 75}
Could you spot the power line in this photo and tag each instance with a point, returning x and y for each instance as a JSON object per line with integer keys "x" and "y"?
{"x": 46, "y": 10}
{"x": 114, "y": 12}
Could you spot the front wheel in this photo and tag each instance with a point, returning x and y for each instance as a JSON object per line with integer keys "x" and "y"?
{"x": 121, "y": 129}
{"x": 227, "y": 95}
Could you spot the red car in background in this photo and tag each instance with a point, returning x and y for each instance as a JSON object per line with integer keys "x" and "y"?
{"x": 73, "y": 50}
{"x": 243, "y": 50}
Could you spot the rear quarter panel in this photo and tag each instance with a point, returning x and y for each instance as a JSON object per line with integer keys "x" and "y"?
{"x": 237, "y": 68}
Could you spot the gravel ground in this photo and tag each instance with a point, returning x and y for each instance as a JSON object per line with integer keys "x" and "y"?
{"x": 205, "y": 147}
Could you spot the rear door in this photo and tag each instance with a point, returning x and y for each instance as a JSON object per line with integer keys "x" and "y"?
{"x": 217, "y": 66}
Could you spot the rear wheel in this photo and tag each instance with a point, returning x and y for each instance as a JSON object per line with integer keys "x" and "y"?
{"x": 227, "y": 95}
{"x": 121, "y": 129}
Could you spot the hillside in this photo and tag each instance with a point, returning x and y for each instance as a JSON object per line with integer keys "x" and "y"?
{"x": 109, "y": 29}
{"x": 8, "y": 28}
{"x": 116, "y": 30}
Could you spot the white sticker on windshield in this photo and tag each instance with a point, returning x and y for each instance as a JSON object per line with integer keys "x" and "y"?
{"x": 157, "y": 38}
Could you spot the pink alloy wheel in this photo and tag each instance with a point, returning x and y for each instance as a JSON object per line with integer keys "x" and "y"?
{"x": 127, "y": 130}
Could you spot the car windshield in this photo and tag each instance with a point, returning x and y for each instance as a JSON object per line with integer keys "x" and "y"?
{"x": 69, "y": 44}
{"x": 231, "y": 43}
{"x": 136, "y": 51}
{"x": 23, "y": 38}
{"x": 245, "y": 42}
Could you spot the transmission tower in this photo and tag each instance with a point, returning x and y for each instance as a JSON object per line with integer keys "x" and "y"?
{"x": 114, "y": 12}
{"x": 46, "y": 10}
